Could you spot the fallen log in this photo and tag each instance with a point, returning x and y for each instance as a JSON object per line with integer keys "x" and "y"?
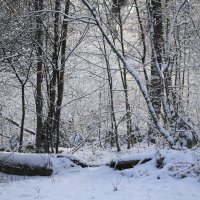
{"x": 24, "y": 170}
{"x": 40, "y": 165}
{"x": 115, "y": 164}
{"x": 127, "y": 164}
{"x": 25, "y": 164}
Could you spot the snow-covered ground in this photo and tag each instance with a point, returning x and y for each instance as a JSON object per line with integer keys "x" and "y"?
{"x": 175, "y": 181}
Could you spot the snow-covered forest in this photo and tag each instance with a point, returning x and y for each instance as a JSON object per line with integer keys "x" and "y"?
{"x": 100, "y": 96}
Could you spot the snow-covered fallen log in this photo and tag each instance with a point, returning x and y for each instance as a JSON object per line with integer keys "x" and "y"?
{"x": 121, "y": 165}
{"x": 117, "y": 164}
{"x": 25, "y": 164}
{"x": 124, "y": 162}
{"x": 130, "y": 161}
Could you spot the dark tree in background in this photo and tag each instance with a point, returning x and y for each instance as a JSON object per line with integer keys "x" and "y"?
{"x": 40, "y": 136}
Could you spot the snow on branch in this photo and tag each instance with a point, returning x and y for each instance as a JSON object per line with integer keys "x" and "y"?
{"x": 68, "y": 18}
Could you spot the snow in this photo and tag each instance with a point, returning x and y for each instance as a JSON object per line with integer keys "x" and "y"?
{"x": 135, "y": 156}
{"x": 143, "y": 182}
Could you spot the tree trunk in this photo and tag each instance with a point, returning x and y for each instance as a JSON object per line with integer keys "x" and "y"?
{"x": 155, "y": 10}
{"x": 143, "y": 43}
{"x": 60, "y": 75}
{"x": 116, "y": 10}
{"x": 23, "y": 118}
{"x": 125, "y": 87}
{"x": 113, "y": 118}
{"x": 39, "y": 96}
{"x": 50, "y": 124}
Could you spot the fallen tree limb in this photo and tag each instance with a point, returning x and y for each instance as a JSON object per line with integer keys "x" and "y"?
{"x": 16, "y": 124}
{"x": 4, "y": 136}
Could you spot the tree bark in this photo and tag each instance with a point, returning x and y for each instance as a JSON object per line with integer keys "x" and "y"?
{"x": 39, "y": 96}
{"x": 155, "y": 11}
{"x": 60, "y": 75}
{"x": 23, "y": 118}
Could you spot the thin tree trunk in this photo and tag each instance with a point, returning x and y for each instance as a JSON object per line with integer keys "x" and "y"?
{"x": 23, "y": 118}
{"x": 39, "y": 96}
{"x": 22, "y": 83}
{"x": 123, "y": 72}
{"x": 143, "y": 43}
{"x": 125, "y": 87}
{"x": 110, "y": 82}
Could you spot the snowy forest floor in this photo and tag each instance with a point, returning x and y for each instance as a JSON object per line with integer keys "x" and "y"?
{"x": 179, "y": 179}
